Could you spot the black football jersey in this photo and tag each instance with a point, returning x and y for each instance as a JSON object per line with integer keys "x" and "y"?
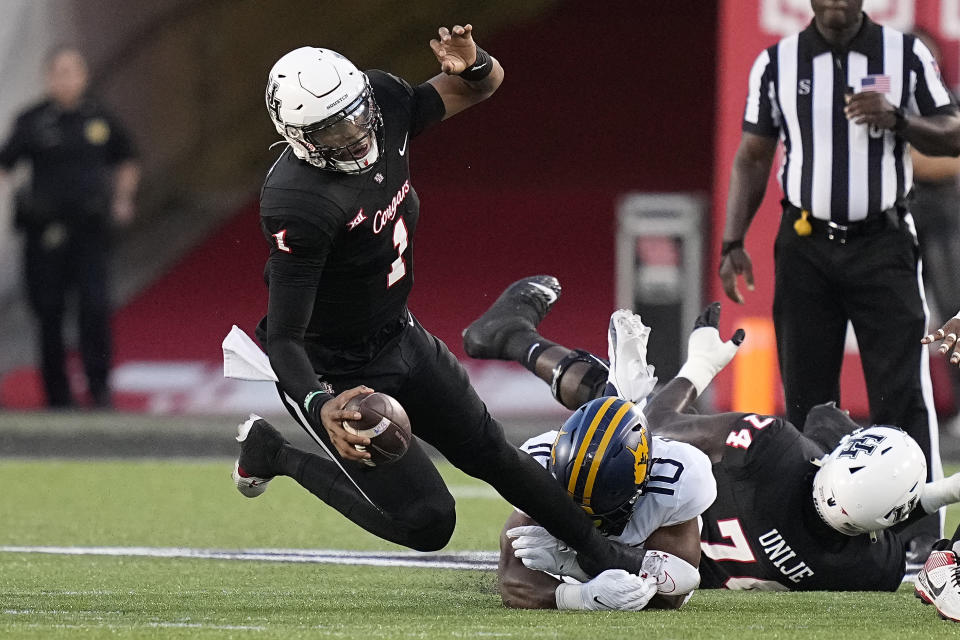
{"x": 346, "y": 240}
{"x": 763, "y": 532}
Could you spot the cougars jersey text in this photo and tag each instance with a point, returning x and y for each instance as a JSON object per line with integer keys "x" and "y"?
{"x": 354, "y": 231}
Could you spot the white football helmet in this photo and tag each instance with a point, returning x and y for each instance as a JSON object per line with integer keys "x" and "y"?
{"x": 324, "y": 108}
{"x": 871, "y": 481}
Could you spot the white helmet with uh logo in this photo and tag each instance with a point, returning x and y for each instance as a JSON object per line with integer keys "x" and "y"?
{"x": 871, "y": 481}
{"x": 324, "y": 108}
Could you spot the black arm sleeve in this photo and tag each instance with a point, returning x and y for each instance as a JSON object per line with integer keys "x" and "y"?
{"x": 292, "y": 279}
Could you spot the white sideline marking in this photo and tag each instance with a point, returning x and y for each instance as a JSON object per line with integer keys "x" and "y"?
{"x": 476, "y": 560}
{"x": 157, "y": 625}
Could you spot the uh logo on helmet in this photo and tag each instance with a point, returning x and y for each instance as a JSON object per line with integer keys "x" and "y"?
{"x": 325, "y": 110}
{"x": 602, "y": 457}
{"x": 871, "y": 481}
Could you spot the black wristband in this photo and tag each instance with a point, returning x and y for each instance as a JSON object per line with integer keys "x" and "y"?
{"x": 480, "y": 68}
{"x": 727, "y": 247}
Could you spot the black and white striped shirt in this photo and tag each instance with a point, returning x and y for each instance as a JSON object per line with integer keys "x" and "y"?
{"x": 832, "y": 167}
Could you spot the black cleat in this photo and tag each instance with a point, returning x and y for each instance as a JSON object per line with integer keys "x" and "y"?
{"x": 259, "y": 445}
{"x": 521, "y": 307}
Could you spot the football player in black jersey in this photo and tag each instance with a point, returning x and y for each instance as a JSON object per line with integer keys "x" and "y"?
{"x": 788, "y": 514}
{"x": 339, "y": 211}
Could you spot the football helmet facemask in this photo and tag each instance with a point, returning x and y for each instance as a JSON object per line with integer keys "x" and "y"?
{"x": 602, "y": 457}
{"x": 870, "y": 481}
{"x": 324, "y": 108}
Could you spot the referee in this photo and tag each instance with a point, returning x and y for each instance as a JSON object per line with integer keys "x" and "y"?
{"x": 847, "y": 97}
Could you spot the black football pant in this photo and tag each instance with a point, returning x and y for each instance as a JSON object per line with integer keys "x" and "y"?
{"x": 873, "y": 281}
{"x": 413, "y": 506}
{"x": 60, "y": 261}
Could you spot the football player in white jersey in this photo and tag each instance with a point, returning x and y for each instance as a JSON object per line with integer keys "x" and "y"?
{"x": 804, "y": 503}
{"x": 641, "y": 490}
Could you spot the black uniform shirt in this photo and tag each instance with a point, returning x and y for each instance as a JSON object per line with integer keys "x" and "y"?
{"x": 341, "y": 257}
{"x": 71, "y": 153}
{"x": 763, "y": 532}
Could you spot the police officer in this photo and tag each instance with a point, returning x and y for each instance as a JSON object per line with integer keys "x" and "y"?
{"x": 84, "y": 176}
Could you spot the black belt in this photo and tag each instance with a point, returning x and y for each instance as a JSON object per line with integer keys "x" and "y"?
{"x": 841, "y": 232}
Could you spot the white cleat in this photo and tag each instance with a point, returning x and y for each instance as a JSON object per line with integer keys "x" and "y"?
{"x": 627, "y": 338}
{"x": 938, "y": 583}
{"x": 674, "y": 576}
{"x": 948, "y": 604}
{"x": 248, "y": 485}
{"x": 934, "y": 575}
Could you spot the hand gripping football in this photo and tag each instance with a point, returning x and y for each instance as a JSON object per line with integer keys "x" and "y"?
{"x": 383, "y": 421}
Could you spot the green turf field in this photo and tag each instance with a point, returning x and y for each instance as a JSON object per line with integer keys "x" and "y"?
{"x": 193, "y": 504}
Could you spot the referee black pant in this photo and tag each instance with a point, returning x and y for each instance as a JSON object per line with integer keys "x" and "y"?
{"x": 873, "y": 281}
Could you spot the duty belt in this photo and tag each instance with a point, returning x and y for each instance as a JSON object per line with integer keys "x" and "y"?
{"x": 841, "y": 232}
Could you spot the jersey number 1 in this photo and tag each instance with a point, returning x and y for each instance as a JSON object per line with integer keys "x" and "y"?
{"x": 398, "y": 268}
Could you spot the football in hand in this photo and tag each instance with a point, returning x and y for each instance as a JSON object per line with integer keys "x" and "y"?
{"x": 383, "y": 421}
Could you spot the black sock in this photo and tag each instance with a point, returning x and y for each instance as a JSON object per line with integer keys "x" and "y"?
{"x": 526, "y": 348}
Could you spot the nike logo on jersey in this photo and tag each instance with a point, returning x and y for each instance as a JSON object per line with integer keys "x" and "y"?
{"x": 403, "y": 149}
{"x": 353, "y": 224}
{"x": 547, "y": 291}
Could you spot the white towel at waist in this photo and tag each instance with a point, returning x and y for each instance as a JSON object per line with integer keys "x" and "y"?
{"x": 243, "y": 359}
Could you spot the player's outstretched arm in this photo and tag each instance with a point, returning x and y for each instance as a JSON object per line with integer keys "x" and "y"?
{"x": 948, "y": 333}
{"x": 530, "y": 557}
{"x": 523, "y": 588}
{"x": 707, "y": 355}
{"x": 469, "y": 74}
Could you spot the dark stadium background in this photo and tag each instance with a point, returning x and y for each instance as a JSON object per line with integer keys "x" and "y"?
{"x": 599, "y": 100}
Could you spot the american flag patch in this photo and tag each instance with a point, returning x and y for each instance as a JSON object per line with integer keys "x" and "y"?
{"x": 875, "y": 83}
